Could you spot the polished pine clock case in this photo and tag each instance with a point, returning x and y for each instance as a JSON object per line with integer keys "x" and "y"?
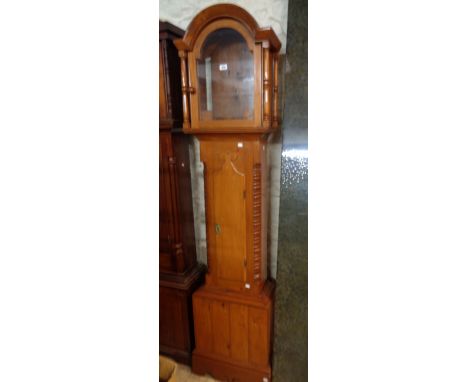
{"x": 229, "y": 71}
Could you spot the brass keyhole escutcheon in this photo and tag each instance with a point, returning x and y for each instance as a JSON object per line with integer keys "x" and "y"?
{"x": 217, "y": 229}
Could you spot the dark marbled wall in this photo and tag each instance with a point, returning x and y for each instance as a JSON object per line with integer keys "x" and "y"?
{"x": 290, "y": 342}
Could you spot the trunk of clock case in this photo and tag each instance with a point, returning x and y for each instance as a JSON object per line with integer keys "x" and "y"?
{"x": 230, "y": 102}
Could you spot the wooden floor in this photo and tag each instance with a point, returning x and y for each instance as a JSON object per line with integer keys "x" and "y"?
{"x": 184, "y": 374}
{"x": 178, "y": 372}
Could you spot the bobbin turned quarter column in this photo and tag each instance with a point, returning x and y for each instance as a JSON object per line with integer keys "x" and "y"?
{"x": 230, "y": 99}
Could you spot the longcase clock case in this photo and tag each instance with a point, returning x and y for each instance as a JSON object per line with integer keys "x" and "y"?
{"x": 179, "y": 273}
{"x": 229, "y": 69}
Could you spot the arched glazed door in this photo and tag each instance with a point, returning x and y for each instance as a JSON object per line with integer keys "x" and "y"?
{"x": 226, "y": 91}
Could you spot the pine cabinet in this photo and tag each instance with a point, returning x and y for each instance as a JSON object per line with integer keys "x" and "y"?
{"x": 229, "y": 75}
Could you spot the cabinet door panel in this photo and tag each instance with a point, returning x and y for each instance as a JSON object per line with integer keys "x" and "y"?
{"x": 258, "y": 336}
{"x": 203, "y": 324}
{"x": 229, "y": 221}
{"x": 220, "y": 317}
{"x": 172, "y": 318}
{"x": 239, "y": 315}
